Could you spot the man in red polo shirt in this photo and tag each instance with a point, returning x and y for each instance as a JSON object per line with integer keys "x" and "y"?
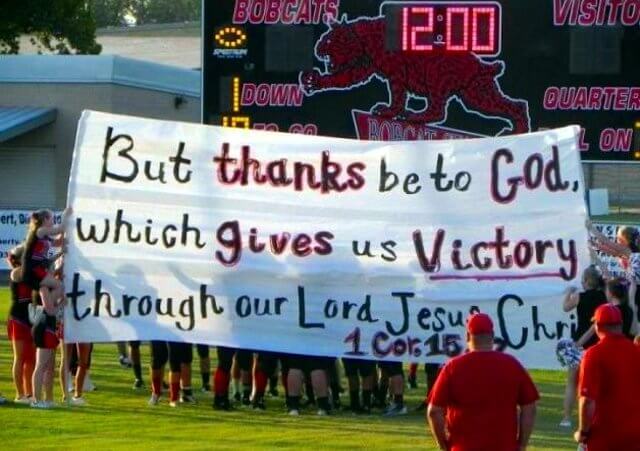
{"x": 474, "y": 403}
{"x": 609, "y": 387}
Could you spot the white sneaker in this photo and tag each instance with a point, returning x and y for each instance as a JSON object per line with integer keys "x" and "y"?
{"x": 565, "y": 423}
{"x": 322, "y": 413}
{"x": 88, "y": 384}
{"x": 40, "y": 405}
{"x": 23, "y": 400}
{"x": 154, "y": 400}
{"x": 124, "y": 361}
{"x": 173, "y": 403}
{"x": 395, "y": 410}
{"x": 294, "y": 412}
{"x": 77, "y": 401}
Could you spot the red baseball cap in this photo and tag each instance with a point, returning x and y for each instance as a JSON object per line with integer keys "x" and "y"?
{"x": 479, "y": 323}
{"x": 607, "y": 314}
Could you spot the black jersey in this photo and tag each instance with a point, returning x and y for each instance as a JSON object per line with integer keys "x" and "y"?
{"x": 588, "y": 302}
{"x": 20, "y": 300}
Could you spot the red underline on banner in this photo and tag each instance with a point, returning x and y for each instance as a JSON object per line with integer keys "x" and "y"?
{"x": 507, "y": 277}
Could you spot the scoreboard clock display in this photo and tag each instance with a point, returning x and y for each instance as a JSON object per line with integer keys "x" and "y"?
{"x": 421, "y": 70}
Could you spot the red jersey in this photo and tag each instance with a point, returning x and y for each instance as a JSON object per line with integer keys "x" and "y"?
{"x": 610, "y": 375}
{"x": 41, "y": 247}
{"x": 481, "y": 391}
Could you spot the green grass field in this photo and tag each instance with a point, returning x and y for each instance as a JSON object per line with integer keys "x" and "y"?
{"x": 118, "y": 417}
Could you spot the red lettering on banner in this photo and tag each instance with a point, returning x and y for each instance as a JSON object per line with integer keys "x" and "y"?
{"x": 325, "y": 176}
{"x": 229, "y": 236}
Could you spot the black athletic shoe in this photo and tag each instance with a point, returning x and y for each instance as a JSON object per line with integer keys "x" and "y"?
{"x": 237, "y": 397}
{"x": 259, "y": 405}
{"x": 360, "y": 410}
{"x": 380, "y": 403}
{"x": 413, "y": 383}
{"x": 222, "y": 403}
{"x": 274, "y": 392}
{"x": 246, "y": 399}
{"x": 187, "y": 399}
{"x": 138, "y": 383}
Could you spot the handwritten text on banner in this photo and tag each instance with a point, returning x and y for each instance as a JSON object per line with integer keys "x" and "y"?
{"x": 321, "y": 246}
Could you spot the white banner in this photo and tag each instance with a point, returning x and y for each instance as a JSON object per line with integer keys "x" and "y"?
{"x": 13, "y": 230}
{"x": 321, "y": 246}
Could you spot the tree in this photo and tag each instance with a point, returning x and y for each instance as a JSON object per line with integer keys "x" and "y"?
{"x": 163, "y": 11}
{"x": 109, "y": 12}
{"x": 59, "y": 26}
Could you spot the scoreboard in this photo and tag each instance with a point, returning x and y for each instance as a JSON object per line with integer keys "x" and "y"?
{"x": 422, "y": 70}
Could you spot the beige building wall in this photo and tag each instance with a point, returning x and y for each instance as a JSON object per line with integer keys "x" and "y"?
{"x": 70, "y": 100}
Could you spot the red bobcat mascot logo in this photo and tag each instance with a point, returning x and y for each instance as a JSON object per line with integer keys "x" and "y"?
{"x": 354, "y": 52}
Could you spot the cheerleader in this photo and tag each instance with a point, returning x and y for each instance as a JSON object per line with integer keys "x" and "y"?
{"x": 19, "y": 330}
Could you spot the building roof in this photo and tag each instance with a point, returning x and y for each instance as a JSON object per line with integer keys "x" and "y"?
{"x": 15, "y": 121}
{"x": 99, "y": 69}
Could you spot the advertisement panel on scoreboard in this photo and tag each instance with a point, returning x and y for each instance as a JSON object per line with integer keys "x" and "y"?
{"x": 422, "y": 70}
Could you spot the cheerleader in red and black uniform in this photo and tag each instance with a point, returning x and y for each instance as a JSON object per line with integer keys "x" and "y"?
{"x": 36, "y": 273}
{"x": 159, "y": 358}
{"x": 46, "y": 339}
{"x": 35, "y": 258}
{"x": 19, "y": 330}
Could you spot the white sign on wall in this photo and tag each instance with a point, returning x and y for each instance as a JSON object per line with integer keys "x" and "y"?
{"x": 13, "y": 230}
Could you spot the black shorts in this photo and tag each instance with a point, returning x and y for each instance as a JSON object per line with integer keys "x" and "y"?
{"x": 179, "y": 354}
{"x": 244, "y": 359}
{"x": 225, "y": 358}
{"x": 391, "y": 368}
{"x": 267, "y": 361}
{"x": 44, "y": 332}
{"x": 305, "y": 363}
{"x": 159, "y": 354}
{"x": 203, "y": 351}
{"x": 355, "y": 367}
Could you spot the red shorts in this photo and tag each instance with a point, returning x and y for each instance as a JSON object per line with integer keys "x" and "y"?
{"x": 39, "y": 272}
{"x": 50, "y": 340}
{"x": 18, "y": 331}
